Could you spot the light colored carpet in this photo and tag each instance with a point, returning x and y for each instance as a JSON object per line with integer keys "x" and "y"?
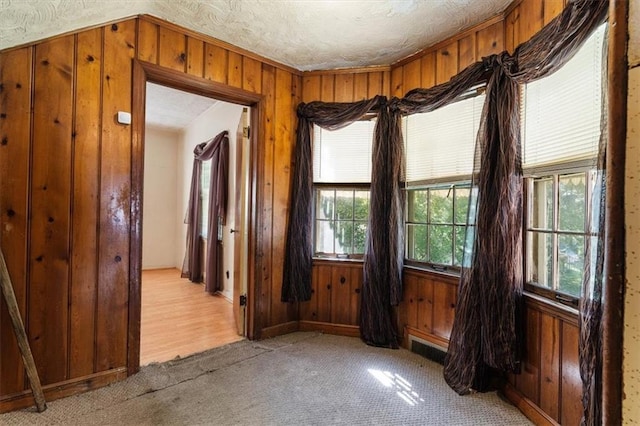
{"x": 296, "y": 379}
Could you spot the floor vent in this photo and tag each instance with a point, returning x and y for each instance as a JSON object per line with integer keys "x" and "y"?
{"x": 427, "y": 350}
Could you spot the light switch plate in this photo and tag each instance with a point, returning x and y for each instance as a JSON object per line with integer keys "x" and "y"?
{"x": 124, "y": 117}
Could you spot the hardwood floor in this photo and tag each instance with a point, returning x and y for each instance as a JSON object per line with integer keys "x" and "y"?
{"x": 179, "y": 318}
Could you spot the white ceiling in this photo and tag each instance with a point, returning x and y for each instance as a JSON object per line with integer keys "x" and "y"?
{"x": 172, "y": 109}
{"x": 304, "y": 34}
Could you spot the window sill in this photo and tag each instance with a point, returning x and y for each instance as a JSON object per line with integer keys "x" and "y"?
{"x": 556, "y": 309}
{"x": 431, "y": 270}
{"x": 322, "y": 259}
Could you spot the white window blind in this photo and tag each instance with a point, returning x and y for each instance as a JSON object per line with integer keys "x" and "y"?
{"x": 344, "y": 155}
{"x": 441, "y": 143}
{"x": 561, "y": 112}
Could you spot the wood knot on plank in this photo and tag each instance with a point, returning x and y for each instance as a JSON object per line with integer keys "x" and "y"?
{"x": 18, "y": 86}
{"x": 3, "y": 115}
{"x": 5, "y": 141}
{"x": 183, "y": 57}
{"x": 90, "y": 58}
{"x": 11, "y": 213}
{"x": 45, "y": 62}
{"x": 114, "y": 27}
{"x": 39, "y": 258}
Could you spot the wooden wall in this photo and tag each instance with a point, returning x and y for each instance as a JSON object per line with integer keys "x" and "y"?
{"x": 65, "y": 202}
{"x": 349, "y": 85}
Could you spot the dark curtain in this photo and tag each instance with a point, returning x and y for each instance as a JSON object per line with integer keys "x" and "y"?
{"x": 296, "y": 284}
{"x": 216, "y": 150}
{"x": 485, "y": 331}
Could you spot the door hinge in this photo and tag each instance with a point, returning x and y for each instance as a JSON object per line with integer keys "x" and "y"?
{"x": 243, "y": 300}
{"x": 246, "y": 132}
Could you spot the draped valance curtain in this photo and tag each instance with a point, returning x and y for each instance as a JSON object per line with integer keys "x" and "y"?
{"x": 486, "y": 332}
{"x": 216, "y": 150}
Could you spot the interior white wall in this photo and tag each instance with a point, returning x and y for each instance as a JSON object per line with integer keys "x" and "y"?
{"x": 159, "y": 206}
{"x": 221, "y": 116}
{"x": 631, "y": 363}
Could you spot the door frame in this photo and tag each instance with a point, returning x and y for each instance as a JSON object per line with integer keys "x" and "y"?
{"x": 144, "y": 72}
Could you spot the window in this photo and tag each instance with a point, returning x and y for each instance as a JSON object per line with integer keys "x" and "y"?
{"x": 436, "y": 219}
{"x": 205, "y": 181}
{"x": 439, "y": 151}
{"x": 561, "y": 117}
{"x": 341, "y": 175}
{"x": 557, "y": 230}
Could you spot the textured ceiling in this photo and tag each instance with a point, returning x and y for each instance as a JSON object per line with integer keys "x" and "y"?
{"x": 305, "y": 34}
{"x": 172, "y": 109}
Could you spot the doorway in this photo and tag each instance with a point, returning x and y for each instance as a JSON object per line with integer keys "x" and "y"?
{"x": 231, "y": 298}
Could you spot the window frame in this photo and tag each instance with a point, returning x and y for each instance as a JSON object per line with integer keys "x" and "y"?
{"x": 451, "y": 184}
{"x": 552, "y": 291}
{"x": 338, "y": 187}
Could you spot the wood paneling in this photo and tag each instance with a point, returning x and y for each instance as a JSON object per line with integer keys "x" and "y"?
{"x": 428, "y": 70}
{"x": 397, "y": 86}
{"x": 195, "y": 56}
{"x": 571, "y": 394}
{"x": 446, "y": 62}
{"x": 172, "y": 50}
{"x": 412, "y": 75}
{"x": 148, "y": 42}
{"x": 251, "y": 75}
{"x": 234, "y": 76}
{"x": 530, "y": 19}
{"x": 311, "y": 88}
{"x": 528, "y": 379}
{"x": 343, "y": 88}
{"x": 327, "y": 93}
{"x": 51, "y": 197}
{"x": 550, "y": 339}
{"x": 215, "y": 67}
{"x": 335, "y": 299}
{"x": 466, "y": 51}
{"x": 361, "y": 87}
{"x": 15, "y": 142}
{"x": 551, "y": 9}
{"x": 490, "y": 40}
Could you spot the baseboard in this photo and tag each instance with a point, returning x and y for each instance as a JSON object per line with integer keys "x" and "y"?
{"x": 61, "y": 389}
{"x": 278, "y": 330}
{"x": 329, "y": 328}
{"x": 527, "y": 407}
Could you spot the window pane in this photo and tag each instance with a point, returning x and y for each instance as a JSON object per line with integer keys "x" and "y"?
{"x": 361, "y": 205}
{"x": 417, "y": 210}
{"x": 359, "y": 237}
{"x": 417, "y": 242}
{"x": 542, "y": 203}
{"x": 324, "y": 236}
{"x": 571, "y": 200}
{"x": 344, "y": 205}
{"x": 324, "y": 209}
{"x": 570, "y": 263}
{"x": 461, "y": 204}
{"x": 459, "y": 249}
{"x": 541, "y": 258}
{"x": 344, "y": 236}
{"x": 441, "y": 206}
{"x": 441, "y": 244}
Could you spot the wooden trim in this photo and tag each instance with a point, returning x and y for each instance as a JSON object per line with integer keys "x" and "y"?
{"x": 256, "y": 159}
{"x": 62, "y": 389}
{"x": 511, "y": 7}
{"x": 469, "y": 31}
{"x": 434, "y": 275}
{"x": 360, "y": 70}
{"x": 554, "y": 309}
{"x": 278, "y": 330}
{"x": 614, "y": 262}
{"x": 217, "y": 42}
{"x": 526, "y": 406}
{"x": 143, "y": 72}
{"x": 329, "y": 328}
{"x": 440, "y": 342}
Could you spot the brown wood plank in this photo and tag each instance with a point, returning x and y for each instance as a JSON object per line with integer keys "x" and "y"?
{"x": 412, "y": 75}
{"x": 571, "y": 393}
{"x": 309, "y": 308}
{"x": 374, "y": 85}
{"x": 147, "y": 41}
{"x": 327, "y": 93}
{"x": 425, "y": 304}
{"x": 344, "y": 88}
{"x": 115, "y": 209}
{"x": 549, "y": 365}
{"x": 531, "y": 19}
{"x": 529, "y": 378}
{"x": 86, "y": 193}
{"x": 490, "y": 40}
{"x": 397, "y": 89}
{"x": 251, "y": 75}
{"x": 360, "y": 86}
{"x": 51, "y": 198}
{"x": 356, "y": 290}
{"x": 324, "y": 293}
{"x": 195, "y": 57}
{"x": 466, "y": 51}
{"x": 311, "y": 88}
{"x": 172, "y": 50}
{"x": 446, "y": 62}
{"x": 444, "y": 304}
{"x": 551, "y": 9}
{"x": 410, "y": 300}
{"x": 386, "y": 84}
{"x": 215, "y": 67}
{"x": 15, "y": 137}
{"x": 428, "y": 70}
{"x": 340, "y": 295}
{"x": 511, "y": 30}
{"x": 281, "y": 180}
{"x": 234, "y": 74}
{"x": 266, "y": 189}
